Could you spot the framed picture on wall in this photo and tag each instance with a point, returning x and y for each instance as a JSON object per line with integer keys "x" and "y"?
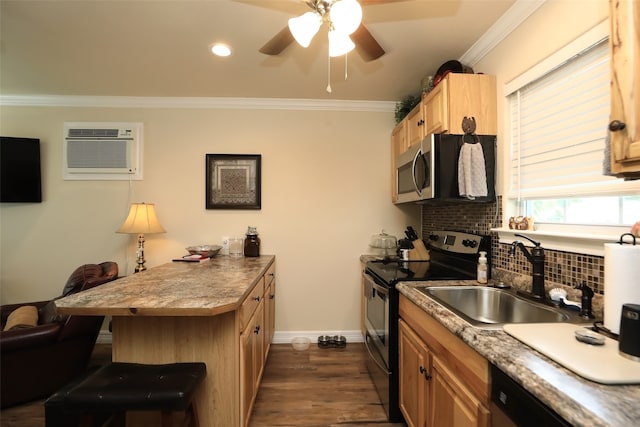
{"x": 233, "y": 181}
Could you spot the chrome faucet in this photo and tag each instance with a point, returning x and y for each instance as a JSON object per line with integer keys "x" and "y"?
{"x": 536, "y": 258}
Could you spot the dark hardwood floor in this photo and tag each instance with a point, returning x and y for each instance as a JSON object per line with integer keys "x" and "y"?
{"x": 317, "y": 387}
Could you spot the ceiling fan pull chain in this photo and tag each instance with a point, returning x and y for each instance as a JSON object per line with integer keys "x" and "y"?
{"x": 346, "y": 55}
{"x": 328, "y": 74}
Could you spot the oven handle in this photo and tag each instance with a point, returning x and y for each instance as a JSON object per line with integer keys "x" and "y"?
{"x": 375, "y": 359}
{"x": 371, "y": 284}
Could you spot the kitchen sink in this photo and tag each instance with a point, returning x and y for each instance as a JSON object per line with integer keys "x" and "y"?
{"x": 490, "y": 308}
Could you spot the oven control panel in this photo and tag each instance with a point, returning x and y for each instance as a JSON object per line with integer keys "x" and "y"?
{"x": 455, "y": 241}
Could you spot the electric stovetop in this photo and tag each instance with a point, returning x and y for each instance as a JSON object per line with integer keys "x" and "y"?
{"x": 454, "y": 256}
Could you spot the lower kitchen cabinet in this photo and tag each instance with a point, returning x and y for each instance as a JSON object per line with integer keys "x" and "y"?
{"x": 454, "y": 405}
{"x": 443, "y": 381}
{"x": 415, "y": 376}
{"x": 257, "y": 316}
{"x": 252, "y": 345}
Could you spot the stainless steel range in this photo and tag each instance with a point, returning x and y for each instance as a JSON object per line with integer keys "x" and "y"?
{"x": 454, "y": 256}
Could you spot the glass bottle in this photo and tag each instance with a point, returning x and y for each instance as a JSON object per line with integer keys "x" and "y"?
{"x": 252, "y": 243}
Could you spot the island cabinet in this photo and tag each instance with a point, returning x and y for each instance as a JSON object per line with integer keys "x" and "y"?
{"x": 443, "y": 381}
{"x": 457, "y": 96}
{"x": 624, "y": 42}
{"x": 219, "y": 312}
{"x": 257, "y": 327}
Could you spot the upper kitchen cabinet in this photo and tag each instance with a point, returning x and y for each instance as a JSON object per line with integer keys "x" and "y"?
{"x": 398, "y": 146}
{"x": 458, "y": 96}
{"x": 415, "y": 124}
{"x": 625, "y": 95}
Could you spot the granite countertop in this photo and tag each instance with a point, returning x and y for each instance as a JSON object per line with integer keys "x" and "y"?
{"x": 579, "y": 401}
{"x": 173, "y": 289}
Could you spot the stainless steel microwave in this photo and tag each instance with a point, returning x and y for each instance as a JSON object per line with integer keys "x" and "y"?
{"x": 413, "y": 174}
{"x": 429, "y": 170}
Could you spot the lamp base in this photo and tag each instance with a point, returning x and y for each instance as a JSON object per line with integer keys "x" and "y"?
{"x": 140, "y": 254}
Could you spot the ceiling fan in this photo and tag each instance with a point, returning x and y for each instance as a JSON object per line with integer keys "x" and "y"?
{"x": 345, "y": 29}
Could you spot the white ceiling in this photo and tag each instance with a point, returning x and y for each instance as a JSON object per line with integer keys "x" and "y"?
{"x": 160, "y": 48}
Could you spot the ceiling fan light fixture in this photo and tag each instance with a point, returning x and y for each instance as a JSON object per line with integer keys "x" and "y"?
{"x": 346, "y": 15}
{"x": 304, "y": 27}
{"x": 339, "y": 43}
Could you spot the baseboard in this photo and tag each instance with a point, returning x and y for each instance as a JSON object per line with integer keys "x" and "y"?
{"x": 283, "y": 337}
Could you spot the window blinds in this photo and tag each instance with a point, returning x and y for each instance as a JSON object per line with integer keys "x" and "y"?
{"x": 558, "y": 130}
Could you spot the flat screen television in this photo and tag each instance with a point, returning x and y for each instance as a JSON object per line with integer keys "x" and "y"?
{"x": 20, "y": 179}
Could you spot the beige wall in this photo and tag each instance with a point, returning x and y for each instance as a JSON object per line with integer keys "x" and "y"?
{"x": 325, "y": 191}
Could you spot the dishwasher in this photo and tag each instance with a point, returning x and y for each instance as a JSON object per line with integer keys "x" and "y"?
{"x": 512, "y": 405}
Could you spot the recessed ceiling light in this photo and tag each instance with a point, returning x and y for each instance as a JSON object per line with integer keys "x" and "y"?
{"x": 220, "y": 49}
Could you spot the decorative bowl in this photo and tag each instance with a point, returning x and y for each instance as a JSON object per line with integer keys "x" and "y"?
{"x": 204, "y": 250}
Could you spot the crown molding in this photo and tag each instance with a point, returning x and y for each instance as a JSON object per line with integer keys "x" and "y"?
{"x": 508, "y": 22}
{"x": 195, "y": 102}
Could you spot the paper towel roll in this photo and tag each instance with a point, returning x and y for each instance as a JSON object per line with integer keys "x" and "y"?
{"x": 621, "y": 281}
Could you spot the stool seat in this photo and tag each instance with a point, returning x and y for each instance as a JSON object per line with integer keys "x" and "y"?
{"x": 120, "y": 387}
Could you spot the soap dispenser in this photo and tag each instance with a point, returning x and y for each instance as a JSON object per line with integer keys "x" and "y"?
{"x": 482, "y": 268}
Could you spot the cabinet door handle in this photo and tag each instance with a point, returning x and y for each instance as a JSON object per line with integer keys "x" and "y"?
{"x": 426, "y": 374}
{"x": 617, "y": 125}
{"x": 256, "y": 299}
{"x": 256, "y": 330}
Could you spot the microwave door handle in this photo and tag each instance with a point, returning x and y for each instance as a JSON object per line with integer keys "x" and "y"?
{"x": 426, "y": 172}
{"x": 413, "y": 168}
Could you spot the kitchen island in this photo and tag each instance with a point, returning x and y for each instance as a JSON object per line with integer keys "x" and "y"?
{"x": 193, "y": 311}
{"x": 579, "y": 401}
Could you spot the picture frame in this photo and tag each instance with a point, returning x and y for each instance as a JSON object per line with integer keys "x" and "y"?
{"x": 233, "y": 181}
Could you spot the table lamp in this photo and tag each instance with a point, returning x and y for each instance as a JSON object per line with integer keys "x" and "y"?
{"x": 141, "y": 219}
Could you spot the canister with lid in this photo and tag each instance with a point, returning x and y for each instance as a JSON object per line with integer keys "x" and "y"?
{"x": 252, "y": 243}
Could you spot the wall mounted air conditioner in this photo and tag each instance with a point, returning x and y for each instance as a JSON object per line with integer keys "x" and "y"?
{"x": 102, "y": 151}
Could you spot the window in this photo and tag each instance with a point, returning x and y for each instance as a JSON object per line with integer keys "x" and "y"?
{"x": 558, "y": 129}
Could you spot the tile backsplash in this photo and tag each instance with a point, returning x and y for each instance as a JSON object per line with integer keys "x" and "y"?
{"x": 562, "y": 269}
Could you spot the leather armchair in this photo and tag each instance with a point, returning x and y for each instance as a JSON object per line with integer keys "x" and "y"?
{"x": 37, "y": 361}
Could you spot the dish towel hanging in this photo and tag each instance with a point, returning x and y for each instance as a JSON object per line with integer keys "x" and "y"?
{"x": 472, "y": 176}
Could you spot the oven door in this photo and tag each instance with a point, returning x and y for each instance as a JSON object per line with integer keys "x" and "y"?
{"x": 376, "y": 308}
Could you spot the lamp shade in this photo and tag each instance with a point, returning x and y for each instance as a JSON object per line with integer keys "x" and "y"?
{"x": 304, "y": 27}
{"x": 346, "y": 15}
{"x": 339, "y": 43}
{"x": 142, "y": 219}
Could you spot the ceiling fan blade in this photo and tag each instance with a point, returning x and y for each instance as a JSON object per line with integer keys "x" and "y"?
{"x": 367, "y": 46}
{"x": 278, "y": 43}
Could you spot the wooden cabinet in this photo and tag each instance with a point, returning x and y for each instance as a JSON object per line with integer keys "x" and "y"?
{"x": 625, "y": 95}
{"x": 415, "y": 125}
{"x": 458, "y": 96}
{"x": 251, "y": 361}
{"x": 456, "y": 405}
{"x": 269, "y": 308}
{"x": 443, "y": 381}
{"x": 415, "y": 376}
{"x": 398, "y": 146}
{"x": 257, "y": 326}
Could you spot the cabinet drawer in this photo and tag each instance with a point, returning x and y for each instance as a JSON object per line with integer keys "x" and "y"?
{"x": 251, "y": 303}
{"x": 270, "y": 275}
